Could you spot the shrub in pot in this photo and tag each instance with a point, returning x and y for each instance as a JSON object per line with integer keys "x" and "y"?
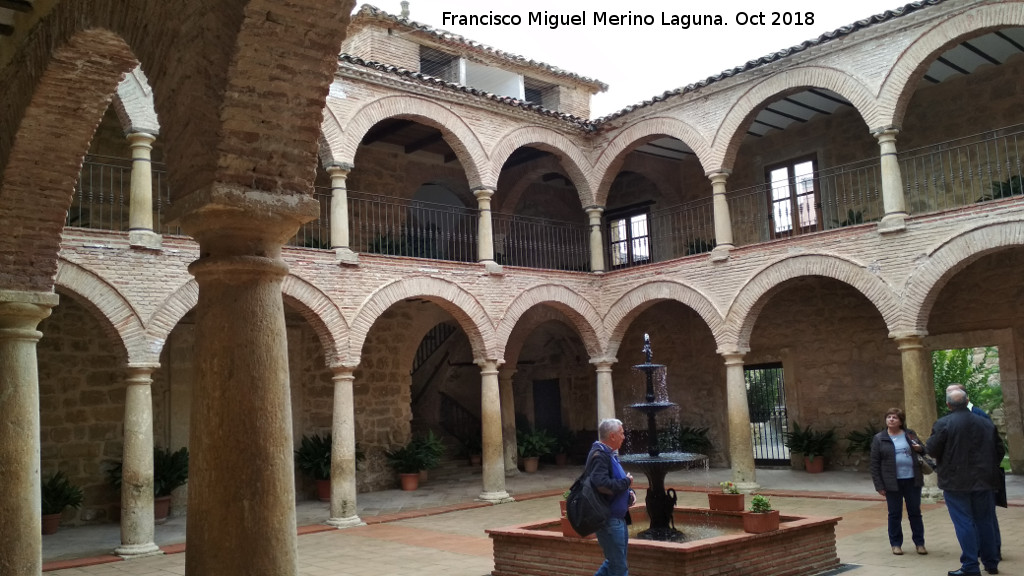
{"x": 170, "y": 471}
{"x": 532, "y": 445}
{"x": 761, "y": 517}
{"x": 57, "y": 493}
{"x": 813, "y": 444}
{"x": 313, "y": 459}
{"x": 407, "y": 461}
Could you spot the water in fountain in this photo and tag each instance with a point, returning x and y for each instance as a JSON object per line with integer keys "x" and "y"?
{"x": 655, "y": 465}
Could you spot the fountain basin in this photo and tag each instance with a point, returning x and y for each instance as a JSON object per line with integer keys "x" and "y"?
{"x": 801, "y": 545}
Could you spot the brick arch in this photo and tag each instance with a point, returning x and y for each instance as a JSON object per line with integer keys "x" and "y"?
{"x": 449, "y": 296}
{"x": 613, "y": 154}
{"x": 84, "y": 68}
{"x": 899, "y": 86}
{"x": 509, "y": 196}
{"x": 122, "y": 321}
{"x": 643, "y": 296}
{"x": 527, "y": 323}
{"x": 169, "y": 313}
{"x": 571, "y": 158}
{"x": 323, "y": 315}
{"x": 756, "y": 292}
{"x": 580, "y": 312}
{"x": 945, "y": 261}
{"x": 341, "y": 143}
{"x": 731, "y": 132}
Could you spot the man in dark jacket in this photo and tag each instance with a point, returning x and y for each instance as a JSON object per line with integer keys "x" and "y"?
{"x": 609, "y": 479}
{"x": 967, "y": 449}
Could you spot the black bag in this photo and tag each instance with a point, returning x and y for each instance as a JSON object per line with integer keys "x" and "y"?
{"x": 1001, "y": 487}
{"x": 585, "y": 507}
{"x": 927, "y": 464}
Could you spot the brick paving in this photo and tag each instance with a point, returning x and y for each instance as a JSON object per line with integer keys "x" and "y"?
{"x": 439, "y": 529}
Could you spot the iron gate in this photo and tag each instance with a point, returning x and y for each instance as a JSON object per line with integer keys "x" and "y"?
{"x": 766, "y": 400}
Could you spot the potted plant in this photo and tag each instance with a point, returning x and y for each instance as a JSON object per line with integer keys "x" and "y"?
{"x": 472, "y": 449}
{"x": 313, "y": 459}
{"x": 761, "y": 517}
{"x": 813, "y": 444}
{"x": 729, "y": 499}
{"x": 57, "y": 494}
{"x": 532, "y": 445}
{"x": 407, "y": 461}
{"x": 565, "y": 440}
{"x": 170, "y": 470}
{"x": 431, "y": 448}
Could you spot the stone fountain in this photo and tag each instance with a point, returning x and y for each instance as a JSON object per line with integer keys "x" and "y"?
{"x": 654, "y": 464}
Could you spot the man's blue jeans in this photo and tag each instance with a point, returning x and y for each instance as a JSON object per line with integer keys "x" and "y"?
{"x": 971, "y": 513}
{"x": 912, "y": 495}
{"x": 613, "y": 538}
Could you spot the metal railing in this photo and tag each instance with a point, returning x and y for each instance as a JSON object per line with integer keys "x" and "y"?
{"x": 845, "y": 195}
{"x": 540, "y": 243}
{"x": 672, "y": 233}
{"x": 384, "y": 225}
{"x": 977, "y": 168}
{"x": 102, "y": 195}
{"x": 316, "y": 234}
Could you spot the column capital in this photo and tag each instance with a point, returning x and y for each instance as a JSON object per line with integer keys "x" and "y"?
{"x": 718, "y": 176}
{"x": 886, "y": 134}
{"x": 483, "y": 192}
{"x": 594, "y": 209}
{"x": 22, "y": 310}
{"x": 603, "y": 363}
{"x": 488, "y": 366}
{"x": 142, "y": 140}
{"x": 342, "y": 371}
{"x": 909, "y": 340}
{"x": 141, "y": 372}
{"x": 342, "y": 168}
{"x": 733, "y": 356}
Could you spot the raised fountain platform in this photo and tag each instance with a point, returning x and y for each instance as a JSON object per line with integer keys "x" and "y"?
{"x": 804, "y": 545}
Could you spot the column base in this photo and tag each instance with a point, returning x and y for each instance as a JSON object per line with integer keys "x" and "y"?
{"x": 347, "y": 522}
{"x": 720, "y": 253}
{"x": 492, "y": 267}
{"x": 129, "y": 551}
{"x": 510, "y": 472}
{"x": 501, "y": 497}
{"x": 895, "y": 222}
{"x": 748, "y": 487}
{"x": 145, "y": 239}
{"x": 347, "y": 256}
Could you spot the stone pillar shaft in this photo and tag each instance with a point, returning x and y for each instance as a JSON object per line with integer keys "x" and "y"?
{"x": 21, "y": 524}
{"x": 339, "y": 213}
{"x": 140, "y": 208}
{"x": 508, "y": 421}
{"x": 918, "y": 390}
{"x": 485, "y": 230}
{"x": 605, "y": 392}
{"x": 723, "y": 221}
{"x": 343, "y": 452}
{"x": 596, "y": 239}
{"x": 137, "y": 529}
{"x": 490, "y": 424}
{"x": 893, "y": 201}
{"x": 741, "y": 447}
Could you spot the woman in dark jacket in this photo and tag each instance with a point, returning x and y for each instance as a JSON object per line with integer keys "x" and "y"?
{"x": 896, "y": 472}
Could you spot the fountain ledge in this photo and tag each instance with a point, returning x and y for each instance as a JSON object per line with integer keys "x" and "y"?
{"x": 802, "y": 545}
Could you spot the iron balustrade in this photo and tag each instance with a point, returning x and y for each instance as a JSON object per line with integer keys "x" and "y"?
{"x": 540, "y": 243}
{"x": 102, "y": 195}
{"x": 843, "y": 196}
{"x": 961, "y": 172}
{"x": 395, "y": 227}
{"x": 671, "y": 233}
{"x": 317, "y": 233}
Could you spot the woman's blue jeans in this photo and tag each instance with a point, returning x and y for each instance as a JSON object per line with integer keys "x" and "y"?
{"x": 613, "y": 538}
{"x": 912, "y": 495}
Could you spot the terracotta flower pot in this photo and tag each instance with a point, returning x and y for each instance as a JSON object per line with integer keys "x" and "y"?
{"x": 759, "y": 522}
{"x": 816, "y": 466}
{"x": 51, "y": 522}
{"x": 725, "y": 502}
{"x": 531, "y": 463}
{"x": 424, "y": 475}
{"x": 161, "y": 509}
{"x": 323, "y": 490}
{"x": 410, "y": 481}
{"x": 561, "y": 459}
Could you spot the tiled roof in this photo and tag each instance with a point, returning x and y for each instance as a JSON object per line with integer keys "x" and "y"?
{"x": 434, "y": 81}
{"x": 775, "y": 56}
{"x": 368, "y": 11}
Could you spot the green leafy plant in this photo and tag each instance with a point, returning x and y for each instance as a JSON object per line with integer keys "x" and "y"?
{"x": 170, "y": 470}
{"x": 1014, "y": 186}
{"x": 407, "y": 459}
{"x": 760, "y": 504}
{"x": 973, "y": 371}
{"x": 810, "y": 443}
{"x": 700, "y": 246}
{"x": 762, "y": 393}
{"x": 313, "y": 458}
{"x": 860, "y": 440}
{"x": 59, "y": 493}
{"x": 431, "y": 449}
{"x": 564, "y": 440}
{"x": 534, "y": 443}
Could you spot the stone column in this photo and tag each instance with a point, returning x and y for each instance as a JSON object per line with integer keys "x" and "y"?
{"x": 508, "y": 421}
{"x": 892, "y": 183}
{"x": 140, "y": 205}
{"x": 723, "y": 221}
{"x": 137, "y": 529}
{"x": 343, "y": 452}
{"x": 741, "y": 447}
{"x": 605, "y": 391}
{"x": 241, "y": 497}
{"x": 339, "y": 214}
{"x": 485, "y": 231}
{"x": 919, "y": 394}
{"x": 490, "y": 427}
{"x": 596, "y": 239}
{"x": 21, "y": 524}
